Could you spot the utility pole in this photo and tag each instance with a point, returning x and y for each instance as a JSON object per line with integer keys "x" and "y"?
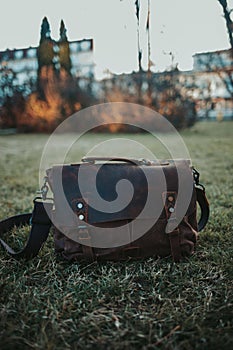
{"x": 149, "y": 82}
{"x": 137, "y": 5}
{"x": 148, "y": 34}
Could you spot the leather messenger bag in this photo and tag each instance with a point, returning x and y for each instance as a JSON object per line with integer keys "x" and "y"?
{"x": 116, "y": 209}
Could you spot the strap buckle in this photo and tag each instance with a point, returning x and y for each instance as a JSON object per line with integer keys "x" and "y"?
{"x": 44, "y": 189}
{"x": 196, "y": 177}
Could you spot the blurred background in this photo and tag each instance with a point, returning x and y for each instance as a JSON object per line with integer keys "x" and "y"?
{"x": 175, "y": 57}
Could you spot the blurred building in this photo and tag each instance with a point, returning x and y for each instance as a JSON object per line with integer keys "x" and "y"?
{"x": 23, "y": 62}
{"x": 212, "y": 84}
{"x": 209, "y": 85}
{"x": 212, "y": 60}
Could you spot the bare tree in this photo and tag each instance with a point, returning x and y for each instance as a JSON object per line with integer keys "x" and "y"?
{"x": 229, "y": 23}
{"x": 227, "y": 77}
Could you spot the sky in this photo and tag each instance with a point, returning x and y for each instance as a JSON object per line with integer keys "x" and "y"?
{"x": 183, "y": 27}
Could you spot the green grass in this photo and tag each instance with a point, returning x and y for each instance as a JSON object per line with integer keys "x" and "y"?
{"x": 48, "y": 303}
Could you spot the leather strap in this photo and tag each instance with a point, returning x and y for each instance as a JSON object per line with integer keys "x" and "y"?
{"x": 40, "y": 226}
{"x": 174, "y": 238}
{"x": 84, "y": 237}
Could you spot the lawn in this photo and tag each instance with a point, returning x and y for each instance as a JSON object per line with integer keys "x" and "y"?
{"x": 48, "y": 303}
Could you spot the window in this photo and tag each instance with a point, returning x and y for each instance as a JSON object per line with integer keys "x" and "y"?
{"x": 18, "y": 54}
{"x": 85, "y": 45}
{"x": 74, "y": 47}
{"x": 31, "y": 53}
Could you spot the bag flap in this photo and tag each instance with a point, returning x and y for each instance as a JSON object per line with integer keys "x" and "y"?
{"x": 97, "y": 186}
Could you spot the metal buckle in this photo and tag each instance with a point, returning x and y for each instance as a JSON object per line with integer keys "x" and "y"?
{"x": 196, "y": 177}
{"x": 44, "y": 189}
{"x": 83, "y": 233}
{"x": 144, "y": 161}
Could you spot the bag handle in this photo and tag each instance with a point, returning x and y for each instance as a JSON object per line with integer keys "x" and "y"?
{"x": 133, "y": 161}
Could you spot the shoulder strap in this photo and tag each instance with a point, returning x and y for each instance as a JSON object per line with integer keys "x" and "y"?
{"x": 40, "y": 226}
{"x": 204, "y": 206}
{"x": 202, "y": 200}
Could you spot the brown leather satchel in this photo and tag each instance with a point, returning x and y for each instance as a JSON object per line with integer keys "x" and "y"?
{"x": 82, "y": 231}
